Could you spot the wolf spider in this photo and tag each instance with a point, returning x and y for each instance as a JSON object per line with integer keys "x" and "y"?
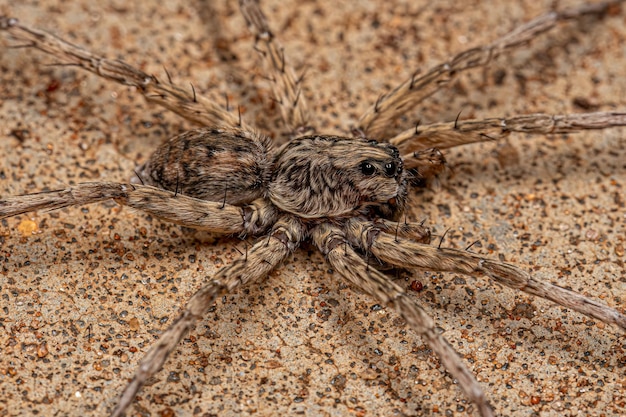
{"x": 268, "y": 192}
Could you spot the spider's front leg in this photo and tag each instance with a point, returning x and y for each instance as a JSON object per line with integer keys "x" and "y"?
{"x": 375, "y": 121}
{"x": 407, "y": 253}
{"x": 333, "y": 243}
{"x": 264, "y": 256}
{"x": 412, "y": 142}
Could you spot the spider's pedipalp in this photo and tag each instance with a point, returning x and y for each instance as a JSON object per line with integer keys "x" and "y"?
{"x": 264, "y": 256}
{"x": 387, "y": 248}
{"x": 331, "y": 241}
{"x": 425, "y": 164}
{"x": 463, "y": 132}
{"x": 167, "y": 205}
{"x": 184, "y": 102}
{"x": 375, "y": 121}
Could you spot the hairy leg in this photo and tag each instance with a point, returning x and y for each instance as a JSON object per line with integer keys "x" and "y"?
{"x": 413, "y": 231}
{"x": 407, "y": 253}
{"x": 375, "y": 121}
{"x": 333, "y": 244}
{"x": 287, "y": 88}
{"x": 167, "y": 205}
{"x": 264, "y": 256}
{"x": 184, "y": 102}
{"x": 463, "y": 132}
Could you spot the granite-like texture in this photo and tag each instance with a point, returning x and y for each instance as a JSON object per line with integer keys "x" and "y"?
{"x": 86, "y": 290}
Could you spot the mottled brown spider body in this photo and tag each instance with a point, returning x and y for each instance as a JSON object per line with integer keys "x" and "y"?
{"x": 292, "y": 197}
{"x": 211, "y": 164}
{"x": 311, "y": 177}
{"x": 331, "y": 177}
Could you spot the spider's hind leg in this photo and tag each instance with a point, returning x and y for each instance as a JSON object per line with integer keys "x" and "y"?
{"x": 215, "y": 217}
{"x": 187, "y": 103}
{"x": 264, "y": 256}
{"x": 287, "y": 87}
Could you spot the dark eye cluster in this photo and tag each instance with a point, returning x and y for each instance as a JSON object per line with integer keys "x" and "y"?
{"x": 367, "y": 168}
{"x": 391, "y": 169}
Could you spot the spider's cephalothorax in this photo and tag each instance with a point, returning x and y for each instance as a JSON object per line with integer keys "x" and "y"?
{"x": 341, "y": 194}
{"x": 329, "y": 177}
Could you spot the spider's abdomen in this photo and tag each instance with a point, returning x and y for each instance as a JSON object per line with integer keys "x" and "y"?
{"x": 230, "y": 165}
{"x": 329, "y": 176}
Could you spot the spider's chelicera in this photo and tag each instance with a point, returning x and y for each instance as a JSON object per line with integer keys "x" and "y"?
{"x": 345, "y": 195}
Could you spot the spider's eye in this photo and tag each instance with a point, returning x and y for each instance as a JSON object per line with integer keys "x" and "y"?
{"x": 367, "y": 168}
{"x": 390, "y": 169}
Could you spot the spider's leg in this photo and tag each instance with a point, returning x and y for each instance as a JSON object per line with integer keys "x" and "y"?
{"x": 286, "y": 86}
{"x": 376, "y": 120}
{"x": 426, "y": 163}
{"x": 406, "y": 253}
{"x": 167, "y": 205}
{"x": 185, "y": 102}
{"x": 264, "y": 256}
{"x": 332, "y": 242}
{"x": 414, "y": 231}
{"x": 463, "y": 132}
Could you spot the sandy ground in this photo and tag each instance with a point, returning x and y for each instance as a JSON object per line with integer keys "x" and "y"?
{"x": 86, "y": 290}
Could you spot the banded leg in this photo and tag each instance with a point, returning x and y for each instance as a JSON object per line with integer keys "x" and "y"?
{"x": 264, "y": 256}
{"x": 406, "y": 253}
{"x": 332, "y": 242}
{"x": 413, "y": 231}
{"x": 374, "y": 123}
{"x": 167, "y": 205}
{"x": 428, "y": 163}
{"x": 286, "y": 87}
{"x": 463, "y": 132}
{"x": 184, "y": 102}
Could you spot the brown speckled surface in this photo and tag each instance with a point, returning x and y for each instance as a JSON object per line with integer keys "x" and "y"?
{"x": 85, "y": 291}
